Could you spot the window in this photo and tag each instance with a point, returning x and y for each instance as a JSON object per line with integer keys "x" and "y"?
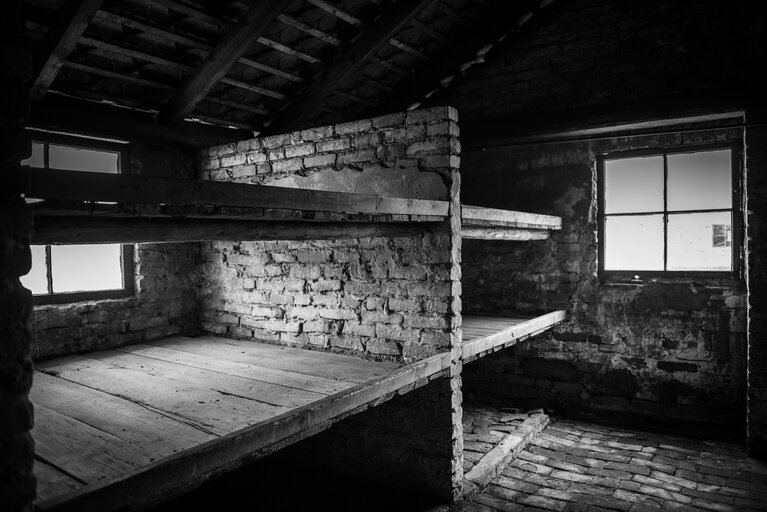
{"x": 68, "y": 273}
{"x": 669, "y": 213}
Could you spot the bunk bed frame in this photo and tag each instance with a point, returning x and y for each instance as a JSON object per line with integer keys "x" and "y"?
{"x": 92, "y": 460}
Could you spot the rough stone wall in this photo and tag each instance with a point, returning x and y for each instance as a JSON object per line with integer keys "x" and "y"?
{"x": 583, "y": 54}
{"x": 17, "y": 483}
{"x": 165, "y": 303}
{"x": 378, "y": 296}
{"x": 756, "y": 229}
{"x": 671, "y": 350}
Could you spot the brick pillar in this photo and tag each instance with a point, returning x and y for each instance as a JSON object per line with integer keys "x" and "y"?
{"x": 756, "y": 278}
{"x": 17, "y": 483}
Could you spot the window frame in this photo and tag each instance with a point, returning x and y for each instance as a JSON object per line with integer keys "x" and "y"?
{"x": 737, "y": 208}
{"x": 127, "y": 250}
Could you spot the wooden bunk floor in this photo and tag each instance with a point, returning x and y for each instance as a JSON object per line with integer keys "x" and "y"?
{"x": 148, "y": 421}
{"x": 483, "y": 334}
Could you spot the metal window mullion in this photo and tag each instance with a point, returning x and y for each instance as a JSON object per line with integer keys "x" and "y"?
{"x": 48, "y": 268}
{"x": 665, "y": 212}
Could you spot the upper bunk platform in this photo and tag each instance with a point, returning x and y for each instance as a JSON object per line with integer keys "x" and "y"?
{"x": 132, "y": 426}
{"x": 484, "y": 334}
{"x": 493, "y": 224}
{"x": 87, "y": 207}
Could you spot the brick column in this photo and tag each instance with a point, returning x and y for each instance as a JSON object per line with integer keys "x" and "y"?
{"x": 17, "y": 483}
{"x": 756, "y": 278}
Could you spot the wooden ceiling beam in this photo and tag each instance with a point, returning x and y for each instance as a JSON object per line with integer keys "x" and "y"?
{"x": 335, "y": 11}
{"x": 70, "y": 24}
{"x": 143, "y": 26}
{"x": 366, "y": 46}
{"x": 307, "y": 29}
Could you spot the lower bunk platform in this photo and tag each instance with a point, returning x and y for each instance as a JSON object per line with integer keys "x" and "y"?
{"x": 130, "y": 427}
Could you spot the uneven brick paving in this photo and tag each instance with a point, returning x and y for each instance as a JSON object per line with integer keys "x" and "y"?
{"x": 581, "y": 467}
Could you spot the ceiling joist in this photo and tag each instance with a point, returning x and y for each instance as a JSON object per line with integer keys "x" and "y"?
{"x": 60, "y": 41}
{"x": 368, "y": 44}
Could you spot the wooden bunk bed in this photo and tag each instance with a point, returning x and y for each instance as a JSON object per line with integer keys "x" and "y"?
{"x": 129, "y": 423}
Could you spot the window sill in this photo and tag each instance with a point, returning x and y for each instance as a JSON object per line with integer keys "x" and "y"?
{"x": 64, "y": 299}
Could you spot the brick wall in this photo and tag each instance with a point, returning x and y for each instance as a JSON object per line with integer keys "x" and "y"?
{"x": 379, "y": 296}
{"x": 587, "y": 53}
{"x": 166, "y": 281}
{"x": 17, "y": 483}
{"x": 673, "y": 349}
{"x": 756, "y": 157}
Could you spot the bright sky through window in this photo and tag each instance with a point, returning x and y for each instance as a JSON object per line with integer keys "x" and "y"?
{"x": 668, "y": 212}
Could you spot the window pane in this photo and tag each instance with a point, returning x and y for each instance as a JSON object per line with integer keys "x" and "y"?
{"x": 37, "y": 158}
{"x": 634, "y": 185}
{"x": 700, "y": 241}
{"x": 700, "y": 180}
{"x": 86, "y": 267}
{"x": 78, "y": 159}
{"x": 37, "y": 281}
{"x": 634, "y": 242}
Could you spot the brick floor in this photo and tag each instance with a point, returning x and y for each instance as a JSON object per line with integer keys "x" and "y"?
{"x": 581, "y": 467}
{"x": 485, "y": 426}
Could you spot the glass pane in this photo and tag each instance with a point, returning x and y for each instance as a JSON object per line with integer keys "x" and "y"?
{"x": 37, "y": 158}
{"x": 700, "y": 180}
{"x": 700, "y": 241}
{"x": 634, "y": 242}
{"x": 86, "y": 267}
{"x": 634, "y": 185}
{"x": 78, "y": 159}
{"x": 37, "y": 281}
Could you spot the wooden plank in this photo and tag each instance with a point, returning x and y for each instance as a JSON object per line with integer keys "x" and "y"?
{"x": 253, "y": 389}
{"x": 335, "y": 11}
{"x": 321, "y": 385}
{"x": 82, "y": 230}
{"x": 202, "y": 408}
{"x": 481, "y": 216}
{"x": 52, "y": 482}
{"x": 510, "y": 234}
{"x": 81, "y": 450}
{"x": 235, "y": 44}
{"x": 83, "y": 186}
{"x": 134, "y": 424}
{"x": 182, "y": 472}
{"x": 70, "y": 23}
{"x": 309, "y": 362}
{"x": 537, "y": 324}
{"x": 392, "y": 21}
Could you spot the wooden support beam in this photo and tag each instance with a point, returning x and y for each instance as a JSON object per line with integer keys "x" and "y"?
{"x": 335, "y": 11}
{"x": 308, "y": 29}
{"x": 493, "y": 217}
{"x": 56, "y": 112}
{"x": 510, "y": 234}
{"x": 62, "y": 36}
{"x": 397, "y": 17}
{"x": 95, "y": 230}
{"x": 233, "y": 45}
{"x": 61, "y": 185}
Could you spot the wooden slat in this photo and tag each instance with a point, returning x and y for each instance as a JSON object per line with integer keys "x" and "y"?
{"x": 52, "y": 482}
{"x": 315, "y": 363}
{"x": 134, "y": 424}
{"x": 234, "y": 385}
{"x": 220, "y": 415}
{"x": 234, "y": 45}
{"x": 297, "y": 380}
{"x": 308, "y": 29}
{"x": 335, "y": 11}
{"x": 486, "y": 217}
{"x": 70, "y": 23}
{"x": 513, "y": 234}
{"x": 86, "y": 452}
{"x": 397, "y": 17}
{"x": 504, "y": 336}
{"x": 85, "y": 230}
{"x": 124, "y": 188}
